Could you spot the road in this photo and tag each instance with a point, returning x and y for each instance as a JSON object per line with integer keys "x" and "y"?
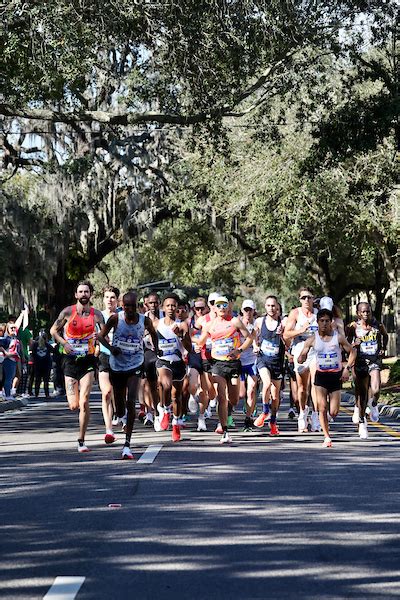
{"x": 262, "y": 518}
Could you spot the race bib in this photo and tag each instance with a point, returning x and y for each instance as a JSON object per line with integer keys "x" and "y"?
{"x": 370, "y": 347}
{"x": 79, "y": 347}
{"x": 168, "y": 346}
{"x": 328, "y": 361}
{"x": 223, "y": 347}
{"x": 209, "y": 344}
{"x": 269, "y": 349}
{"x": 313, "y": 328}
{"x": 129, "y": 345}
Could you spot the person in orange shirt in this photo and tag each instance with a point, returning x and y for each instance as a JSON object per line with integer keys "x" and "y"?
{"x": 75, "y": 330}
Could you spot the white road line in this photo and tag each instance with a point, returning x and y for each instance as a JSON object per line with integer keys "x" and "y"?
{"x": 64, "y": 588}
{"x": 149, "y": 455}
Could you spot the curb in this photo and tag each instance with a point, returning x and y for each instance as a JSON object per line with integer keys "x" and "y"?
{"x": 13, "y": 404}
{"x": 385, "y": 410}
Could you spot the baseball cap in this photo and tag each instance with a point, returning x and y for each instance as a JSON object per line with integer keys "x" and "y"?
{"x": 326, "y": 302}
{"x": 220, "y": 298}
{"x": 248, "y": 304}
{"x": 213, "y": 296}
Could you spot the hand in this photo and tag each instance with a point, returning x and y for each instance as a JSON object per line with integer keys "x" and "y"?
{"x": 197, "y": 349}
{"x": 235, "y": 353}
{"x": 345, "y": 375}
{"x": 382, "y": 352}
{"x": 301, "y": 359}
{"x": 68, "y": 349}
{"x": 256, "y": 348}
{"x": 115, "y": 351}
{"x": 280, "y": 329}
{"x": 176, "y": 329}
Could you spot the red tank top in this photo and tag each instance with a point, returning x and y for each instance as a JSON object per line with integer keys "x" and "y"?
{"x": 79, "y": 330}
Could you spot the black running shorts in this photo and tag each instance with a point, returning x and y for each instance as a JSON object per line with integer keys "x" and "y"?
{"x": 78, "y": 367}
{"x": 177, "y": 368}
{"x": 104, "y": 362}
{"x": 275, "y": 369}
{"x": 150, "y": 359}
{"x": 228, "y": 369}
{"x": 195, "y": 362}
{"x": 119, "y": 379}
{"x": 331, "y": 382}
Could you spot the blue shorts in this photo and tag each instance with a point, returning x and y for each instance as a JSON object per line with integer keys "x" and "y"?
{"x": 248, "y": 370}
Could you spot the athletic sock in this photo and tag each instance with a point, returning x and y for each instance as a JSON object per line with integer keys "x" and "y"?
{"x": 81, "y": 442}
{"x": 273, "y": 419}
{"x": 266, "y": 408}
{"x": 127, "y": 444}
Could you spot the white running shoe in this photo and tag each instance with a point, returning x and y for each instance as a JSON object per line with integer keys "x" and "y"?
{"x": 126, "y": 453}
{"x": 26, "y": 395}
{"x": 213, "y": 403}
{"x": 201, "y": 423}
{"x": 330, "y": 418}
{"x": 157, "y": 425}
{"x": 373, "y": 411}
{"x": 208, "y": 413}
{"x": 327, "y": 443}
{"x": 148, "y": 420}
{"x": 83, "y": 448}
{"x": 315, "y": 426}
{"x": 226, "y": 438}
{"x": 13, "y": 392}
{"x": 301, "y": 422}
{"x": 123, "y": 423}
{"x": 192, "y": 404}
{"x": 363, "y": 430}
{"x": 356, "y": 415}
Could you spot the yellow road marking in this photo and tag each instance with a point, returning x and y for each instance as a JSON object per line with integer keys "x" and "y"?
{"x": 384, "y": 428}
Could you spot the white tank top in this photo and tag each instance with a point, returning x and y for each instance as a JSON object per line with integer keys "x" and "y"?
{"x": 301, "y": 320}
{"x": 329, "y": 354}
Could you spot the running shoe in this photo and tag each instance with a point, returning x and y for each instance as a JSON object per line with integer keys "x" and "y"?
{"x": 302, "y": 422}
{"x": 141, "y": 415}
{"x": 157, "y": 426}
{"x": 274, "y": 429}
{"x": 109, "y": 438}
{"x": 213, "y": 403}
{"x": 123, "y": 423}
{"x": 126, "y": 453}
{"x": 260, "y": 421}
{"x": 149, "y": 420}
{"x": 315, "y": 426}
{"x": 83, "y": 448}
{"x": 356, "y": 415}
{"x": 192, "y": 404}
{"x": 373, "y": 411}
{"x": 248, "y": 424}
{"x": 208, "y": 413}
{"x": 201, "y": 423}
{"x": 226, "y": 438}
{"x": 115, "y": 420}
{"x": 231, "y": 422}
{"x": 330, "y": 418}
{"x": 327, "y": 443}
{"x": 291, "y": 413}
{"x": 176, "y": 433}
{"x": 363, "y": 429}
{"x": 13, "y": 392}
{"x": 219, "y": 429}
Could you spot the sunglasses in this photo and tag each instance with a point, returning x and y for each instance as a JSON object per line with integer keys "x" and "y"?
{"x": 306, "y": 297}
{"x": 222, "y": 305}
{"x": 247, "y": 308}
{"x": 199, "y": 307}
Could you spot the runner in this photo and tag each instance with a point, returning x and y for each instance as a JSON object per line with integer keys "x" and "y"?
{"x": 301, "y": 325}
{"x": 370, "y": 338}
{"x": 271, "y": 354}
{"x": 78, "y": 324}
{"x": 150, "y": 380}
{"x": 226, "y": 349}
{"x": 110, "y": 301}
{"x": 126, "y": 359}
{"x": 173, "y": 340}
{"x": 327, "y": 343}
{"x": 198, "y": 380}
{"x": 248, "y": 358}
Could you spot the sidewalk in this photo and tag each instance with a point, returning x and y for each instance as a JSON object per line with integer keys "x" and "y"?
{"x": 16, "y": 403}
{"x": 385, "y": 410}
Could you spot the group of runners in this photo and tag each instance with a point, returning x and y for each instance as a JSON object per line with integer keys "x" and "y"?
{"x": 172, "y": 359}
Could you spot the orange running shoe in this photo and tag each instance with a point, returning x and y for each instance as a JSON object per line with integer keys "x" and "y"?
{"x": 176, "y": 433}
{"x": 165, "y": 421}
{"x": 260, "y": 421}
{"x": 274, "y": 429}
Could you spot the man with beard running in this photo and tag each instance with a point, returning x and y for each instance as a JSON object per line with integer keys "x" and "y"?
{"x": 74, "y": 330}
{"x": 126, "y": 359}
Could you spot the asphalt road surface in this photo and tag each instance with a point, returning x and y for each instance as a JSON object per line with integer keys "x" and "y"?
{"x": 262, "y": 518}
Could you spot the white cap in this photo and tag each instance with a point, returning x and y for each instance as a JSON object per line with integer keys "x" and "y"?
{"x": 248, "y": 304}
{"x": 212, "y": 297}
{"x": 326, "y": 302}
{"x": 220, "y": 298}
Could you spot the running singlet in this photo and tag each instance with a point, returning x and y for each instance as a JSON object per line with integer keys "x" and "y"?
{"x": 168, "y": 342}
{"x": 329, "y": 354}
{"x": 225, "y": 338}
{"x": 248, "y": 357}
{"x": 79, "y": 332}
{"x": 301, "y": 321}
{"x": 103, "y": 349}
{"x": 272, "y": 346}
{"x": 369, "y": 346}
{"x": 206, "y": 349}
{"x": 129, "y": 338}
